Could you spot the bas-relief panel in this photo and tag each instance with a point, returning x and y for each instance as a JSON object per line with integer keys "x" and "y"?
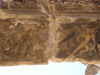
{"x": 30, "y": 38}
{"x": 23, "y": 39}
{"x": 77, "y": 38}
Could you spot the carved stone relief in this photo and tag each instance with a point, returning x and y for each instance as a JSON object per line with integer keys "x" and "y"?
{"x": 35, "y": 31}
{"x": 77, "y": 38}
{"x": 23, "y": 39}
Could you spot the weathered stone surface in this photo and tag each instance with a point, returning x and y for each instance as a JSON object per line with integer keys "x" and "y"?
{"x": 77, "y": 38}
{"x": 92, "y": 69}
{"x": 74, "y": 7}
{"x": 54, "y": 7}
{"x": 22, "y": 6}
{"x": 24, "y": 39}
{"x": 35, "y": 31}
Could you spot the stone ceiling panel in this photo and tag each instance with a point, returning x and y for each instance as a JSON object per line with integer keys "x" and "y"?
{"x": 77, "y": 38}
{"x": 24, "y": 40}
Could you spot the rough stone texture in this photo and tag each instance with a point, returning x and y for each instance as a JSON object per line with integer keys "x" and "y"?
{"x": 35, "y": 31}
{"x": 74, "y": 7}
{"x": 77, "y": 38}
{"x": 92, "y": 69}
{"x": 24, "y": 39}
{"x": 30, "y": 7}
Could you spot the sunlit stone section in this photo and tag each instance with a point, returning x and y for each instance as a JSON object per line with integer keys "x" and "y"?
{"x": 77, "y": 38}
{"x": 24, "y": 39}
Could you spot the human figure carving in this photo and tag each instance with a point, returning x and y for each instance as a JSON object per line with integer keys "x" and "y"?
{"x": 84, "y": 43}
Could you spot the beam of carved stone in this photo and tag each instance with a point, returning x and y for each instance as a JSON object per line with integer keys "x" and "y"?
{"x": 35, "y": 31}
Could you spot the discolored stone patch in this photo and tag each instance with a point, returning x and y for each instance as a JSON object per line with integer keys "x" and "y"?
{"x": 77, "y": 38}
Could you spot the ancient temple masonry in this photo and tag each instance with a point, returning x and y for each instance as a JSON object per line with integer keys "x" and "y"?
{"x": 35, "y": 31}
